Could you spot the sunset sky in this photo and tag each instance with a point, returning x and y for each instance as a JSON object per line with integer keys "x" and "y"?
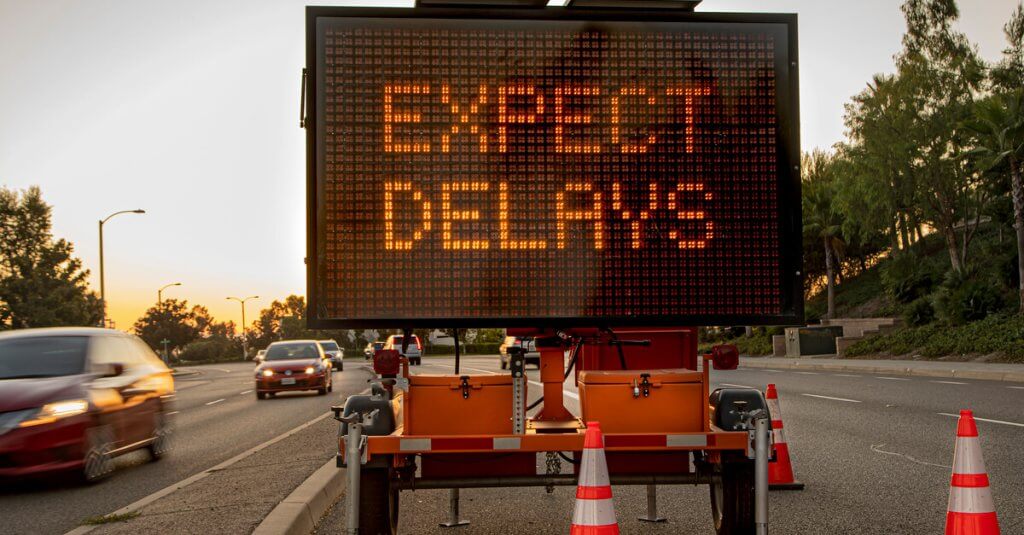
{"x": 189, "y": 110}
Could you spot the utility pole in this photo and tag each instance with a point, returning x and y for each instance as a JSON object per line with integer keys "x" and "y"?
{"x": 103, "y": 286}
{"x": 245, "y": 349}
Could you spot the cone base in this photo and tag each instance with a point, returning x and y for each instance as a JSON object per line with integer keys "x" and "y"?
{"x": 971, "y": 524}
{"x": 796, "y": 485}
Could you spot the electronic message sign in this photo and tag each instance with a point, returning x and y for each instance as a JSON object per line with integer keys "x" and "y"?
{"x": 521, "y": 167}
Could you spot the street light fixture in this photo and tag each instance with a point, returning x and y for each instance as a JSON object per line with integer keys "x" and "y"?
{"x": 103, "y": 287}
{"x": 160, "y": 292}
{"x": 245, "y": 349}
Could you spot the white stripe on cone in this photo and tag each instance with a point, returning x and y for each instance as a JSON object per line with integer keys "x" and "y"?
{"x": 967, "y": 456}
{"x": 970, "y": 500}
{"x": 594, "y": 469}
{"x": 594, "y": 513}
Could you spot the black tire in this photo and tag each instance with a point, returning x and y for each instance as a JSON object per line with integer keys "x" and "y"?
{"x": 504, "y": 365}
{"x": 98, "y": 463}
{"x": 732, "y": 501}
{"x": 330, "y": 386}
{"x": 162, "y": 435}
{"x": 321, "y": 391}
{"x": 261, "y": 395}
{"x": 378, "y": 503}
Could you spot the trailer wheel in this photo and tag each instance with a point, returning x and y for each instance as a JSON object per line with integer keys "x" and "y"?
{"x": 732, "y": 500}
{"x": 378, "y": 503}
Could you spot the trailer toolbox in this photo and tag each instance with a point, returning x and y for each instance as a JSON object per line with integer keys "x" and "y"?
{"x": 643, "y": 401}
{"x": 458, "y": 405}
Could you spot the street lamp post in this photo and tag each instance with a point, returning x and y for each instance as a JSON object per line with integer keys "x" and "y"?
{"x": 160, "y": 292}
{"x": 103, "y": 287}
{"x": 245, "y": 349}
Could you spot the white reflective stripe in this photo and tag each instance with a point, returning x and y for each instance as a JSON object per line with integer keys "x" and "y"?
{"x": 593, "y": 513}
{"x": 967, "y": 456}
{"x": 970, "y": 500}
{"x": 593, "y": 469}
{"x": 506, "y": 443}
{"x": 678, "y": 441}
{"x": 414, "y": 444}
{"x": 774, "y": 409}
{"x": 779, "y": 436}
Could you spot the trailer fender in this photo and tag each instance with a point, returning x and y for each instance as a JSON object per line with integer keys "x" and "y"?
{"x": 726, "y": 403}
{"x": 380, "y": 423}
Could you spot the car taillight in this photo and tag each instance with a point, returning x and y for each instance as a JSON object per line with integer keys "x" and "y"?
{"x": 418, "y": 344}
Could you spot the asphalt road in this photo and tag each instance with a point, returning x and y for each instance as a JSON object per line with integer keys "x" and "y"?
{"x": 875, "y": 453}
{"x": 217, "y": 418}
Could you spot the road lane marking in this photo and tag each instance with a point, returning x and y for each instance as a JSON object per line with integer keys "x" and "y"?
{"x": 1015, "y": 424}
{"x": 808, "y": 373}
{"x": 948, "y": 382}
{"x": 845, "y": 375}
{"x": 877, "y": 448}
{"x": 735, "y": 386}
{"x": 832, "y": 398}
{"x": 172, "y": 413}
{"x": 893, "y": 378}
{"x": 214, "y": 402}
{"x": 773, "y": 371}
{"x": 244, "y": 393}
{"x": 1016, "y": 387}
{"x": 143, "y": 502}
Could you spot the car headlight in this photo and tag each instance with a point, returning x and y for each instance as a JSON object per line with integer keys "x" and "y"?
{"x": 268, "y": 373}
{"x": 52, "y": 412}
{"x": 310, "y": 370}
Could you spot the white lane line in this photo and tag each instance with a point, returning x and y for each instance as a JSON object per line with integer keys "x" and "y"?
{"x": 808, "y": 373}
{"x": 735, "y": 386}
{"x": 214, "y": 402}
{"x": 1015, "y": 424}
{"x": 892, "y": 378}
{"x": 139, "y": 504}
{"x": 244, "y": 393}
{"x": 1016, "y": 387}
{"x": 948, "y": 382}
{"x": 172, "y": 413}
{"x": 773, "y": 371}
{"x": 832, "y": 398}
{"x": 845, "y": 375}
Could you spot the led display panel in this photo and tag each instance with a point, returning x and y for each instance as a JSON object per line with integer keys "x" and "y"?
{"x": 552, "y": 167}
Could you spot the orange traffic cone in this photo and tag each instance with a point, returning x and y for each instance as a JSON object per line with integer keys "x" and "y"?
{"x": 780, "y": 471}
{"x": 595, "y": 513}
{"x": 970, "y": 511}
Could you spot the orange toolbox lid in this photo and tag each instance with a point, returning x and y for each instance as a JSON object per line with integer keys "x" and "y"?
{"x": 455, "y": 381}
{"x": 618, "y": 377}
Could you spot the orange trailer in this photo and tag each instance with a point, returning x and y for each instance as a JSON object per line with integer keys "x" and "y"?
{"x": 595, "y": 177}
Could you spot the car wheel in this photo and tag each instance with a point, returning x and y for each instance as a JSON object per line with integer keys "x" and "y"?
{"x": 261, "y": 395}
{"x": 321, "y": 391}
{"x": 330, "y": 386}
{"x": 98, "y": 461}
{"x": 504, "y": 365}
{"x": 161, "y": 444}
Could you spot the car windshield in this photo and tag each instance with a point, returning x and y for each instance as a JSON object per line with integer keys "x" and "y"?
{"x": 329, "y": 346}
{"x": 42, "y": 356}
{"x": 378, "y": 345}
{"x": 291, "y": 351}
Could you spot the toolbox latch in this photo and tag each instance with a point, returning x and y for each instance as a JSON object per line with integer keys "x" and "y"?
{"x": 645, "y": 384}
{"x": 465, "y": 386}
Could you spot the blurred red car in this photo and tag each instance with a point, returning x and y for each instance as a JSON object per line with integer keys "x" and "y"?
{"x": 72, "y": 399}
{"x": 291, "y": 366}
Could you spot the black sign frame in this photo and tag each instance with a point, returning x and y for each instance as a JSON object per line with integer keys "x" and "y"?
{"x": 788, "y": 157}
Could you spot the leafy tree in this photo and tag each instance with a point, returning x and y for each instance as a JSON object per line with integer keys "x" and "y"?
{"x": 942, "y": 73}
{"x": 821, "y": 221}
{"x": 1009, "y": 73}
{"x": 171, "y": 320}
{"x": 41, "y": 283}
{"x": 998, "y": 125}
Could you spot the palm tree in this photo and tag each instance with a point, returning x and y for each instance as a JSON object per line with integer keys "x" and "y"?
{"x": 998, "y": 126}
{"x": 820, "y": 216}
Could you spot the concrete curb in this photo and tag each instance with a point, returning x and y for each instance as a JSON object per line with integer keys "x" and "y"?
{"x": 982, "y": 375}
{"x": 302, "y": 509}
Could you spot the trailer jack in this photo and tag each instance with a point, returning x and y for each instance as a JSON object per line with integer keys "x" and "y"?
{"x": 355, "y": 445}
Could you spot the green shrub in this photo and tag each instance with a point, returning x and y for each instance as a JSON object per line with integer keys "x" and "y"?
{"x": 967, "y": 296}
{"x": 1000, "y": 334}
{"x": 211, "y": 350}
{"x": 920, "y": 312}
{"x": 906, "y": 278}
